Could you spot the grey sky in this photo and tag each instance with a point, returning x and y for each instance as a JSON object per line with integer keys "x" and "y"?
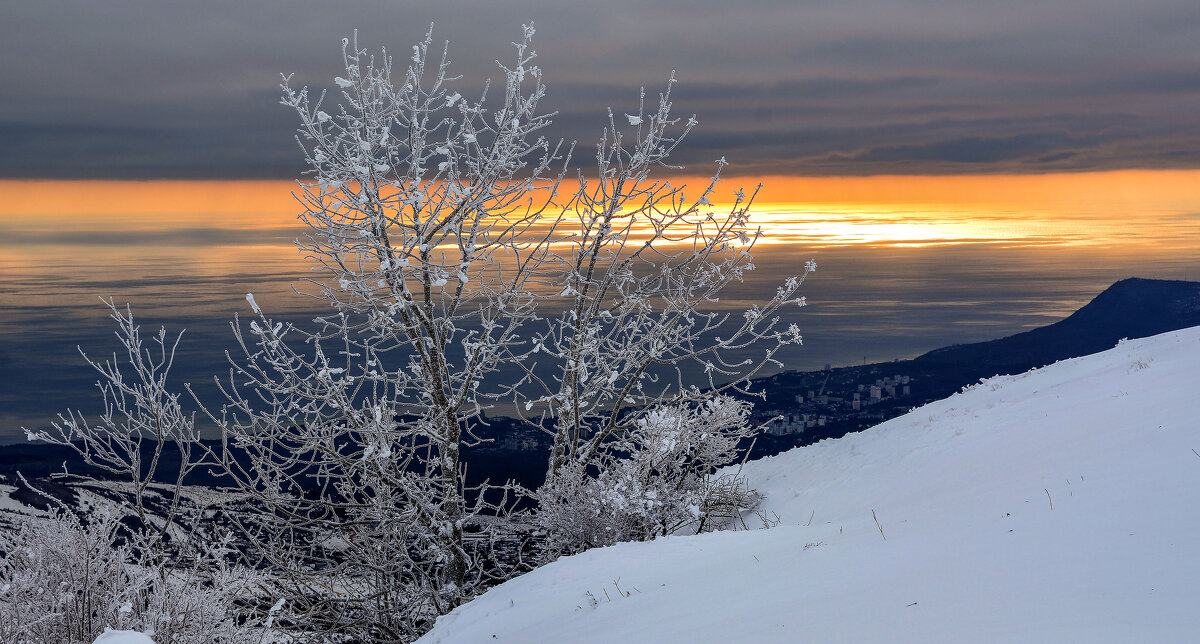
{"x": 189, "y": 89}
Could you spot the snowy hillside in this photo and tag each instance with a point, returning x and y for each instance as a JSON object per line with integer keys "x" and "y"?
{"x": 1058, "y": 505}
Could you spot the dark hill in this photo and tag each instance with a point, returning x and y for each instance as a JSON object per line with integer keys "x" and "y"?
{"x": 824, "y": 400}
{"x": 1131, "y": 308}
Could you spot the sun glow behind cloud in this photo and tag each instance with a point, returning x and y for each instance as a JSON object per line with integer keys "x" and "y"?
{"x": 1148, "y": 209}
{"x": 1156, "y": 209}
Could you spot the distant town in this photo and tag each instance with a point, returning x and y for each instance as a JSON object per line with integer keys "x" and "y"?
{"x": 841, "y": 397}
{"x": 800, "y": 407}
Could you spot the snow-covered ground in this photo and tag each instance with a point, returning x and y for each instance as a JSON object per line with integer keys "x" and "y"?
{"x": 110, "y": 636}
{"x": 1061, "y": 505}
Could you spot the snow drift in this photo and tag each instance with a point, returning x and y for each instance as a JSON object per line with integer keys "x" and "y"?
{"x": 1058, "y": 505}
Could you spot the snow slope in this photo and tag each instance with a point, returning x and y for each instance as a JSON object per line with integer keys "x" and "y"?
{"x": 1061, "y": 505}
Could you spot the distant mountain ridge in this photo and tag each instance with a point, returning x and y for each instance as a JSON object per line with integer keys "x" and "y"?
{"x": 1131, "y": 308}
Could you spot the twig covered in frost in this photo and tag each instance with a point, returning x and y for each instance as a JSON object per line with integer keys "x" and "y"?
{"x": 141, "y": 418}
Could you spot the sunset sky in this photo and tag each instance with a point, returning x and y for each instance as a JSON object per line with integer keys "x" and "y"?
{"x": 134, "y": 89}
{"x": 960, "y": 171}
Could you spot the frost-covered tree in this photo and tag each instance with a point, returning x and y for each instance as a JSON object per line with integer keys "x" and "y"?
{"x": 439, "y": 227}
{"x": 460, "y": 273}
{"x": 426, "y": 223}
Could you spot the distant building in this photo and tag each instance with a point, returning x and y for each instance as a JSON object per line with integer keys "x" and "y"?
{"x": 789, "y": 424}
{"x": 876, "y": 393}
{"x": 515, "y": 442}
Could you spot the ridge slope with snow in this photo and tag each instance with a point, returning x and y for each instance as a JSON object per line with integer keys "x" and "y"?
{"x": 1058, "y": 505}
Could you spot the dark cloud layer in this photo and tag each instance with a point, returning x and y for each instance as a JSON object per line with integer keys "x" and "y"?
{"x": 135, "y": 89}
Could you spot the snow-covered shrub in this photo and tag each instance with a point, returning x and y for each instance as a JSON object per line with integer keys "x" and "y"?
{"x": 203, "y": 598}
{"x": 149, "y": 560}
{"x": 658, "y": 480}
{"x": 65, "y": 580}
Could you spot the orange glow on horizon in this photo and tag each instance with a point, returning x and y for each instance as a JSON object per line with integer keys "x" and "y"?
{"x": 1168, "y": 185}
{"x": 150, "y": 204}
{"x": 129, "y": 198}
{"x": 1072, "y": 209}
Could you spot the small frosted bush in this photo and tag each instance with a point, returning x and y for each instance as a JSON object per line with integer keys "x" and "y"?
{"x": 64, "y": 580}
